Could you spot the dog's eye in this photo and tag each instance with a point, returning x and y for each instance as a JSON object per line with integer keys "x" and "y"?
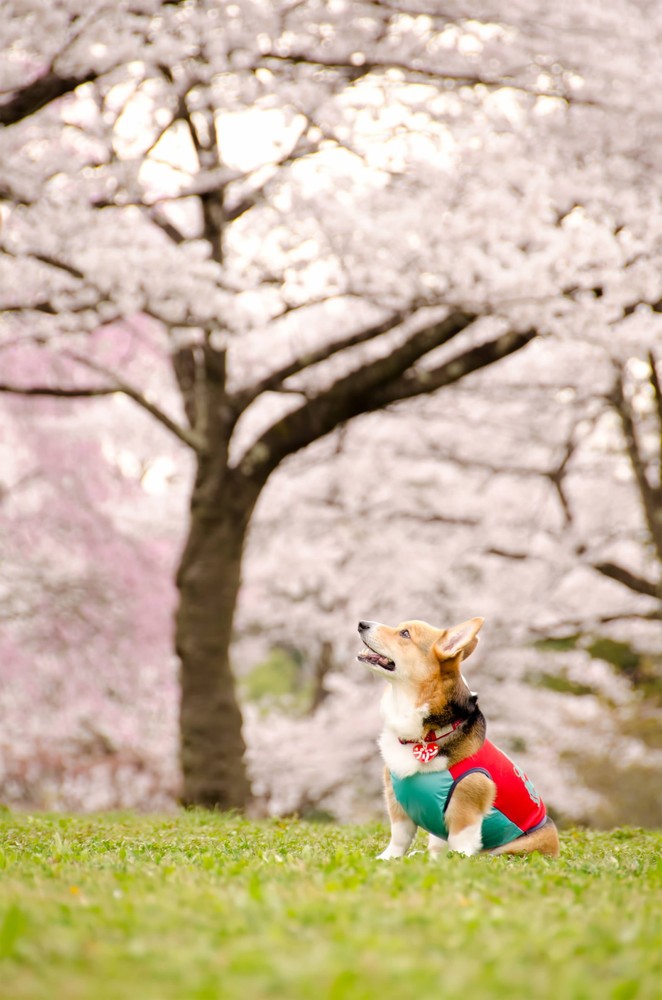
{"x": 405, "y": 634}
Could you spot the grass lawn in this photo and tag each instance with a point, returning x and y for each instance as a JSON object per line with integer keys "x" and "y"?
{"x": 204, "y": 906}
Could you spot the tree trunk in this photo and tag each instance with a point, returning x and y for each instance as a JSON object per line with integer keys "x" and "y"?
{"x": 212, "y": 745}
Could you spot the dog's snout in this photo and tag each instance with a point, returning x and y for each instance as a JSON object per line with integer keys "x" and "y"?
{"x": 364, "y": 626}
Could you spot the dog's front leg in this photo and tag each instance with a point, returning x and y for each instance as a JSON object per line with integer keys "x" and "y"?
{"x": 436, "y": 846}
{"x": 403, "y": 828}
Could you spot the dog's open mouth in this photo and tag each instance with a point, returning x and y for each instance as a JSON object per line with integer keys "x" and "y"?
{"x": 368, "y": 655}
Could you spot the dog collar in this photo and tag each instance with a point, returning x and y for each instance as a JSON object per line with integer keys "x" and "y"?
{"x": 428, "y": 749}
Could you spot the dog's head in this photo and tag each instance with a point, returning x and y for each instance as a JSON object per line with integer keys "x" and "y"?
{"x": 426, "y": 660}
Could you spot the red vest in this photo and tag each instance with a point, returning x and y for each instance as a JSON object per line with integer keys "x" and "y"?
{"x": 516, "y": 798}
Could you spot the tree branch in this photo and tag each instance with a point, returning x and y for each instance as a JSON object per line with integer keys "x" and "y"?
{"x": 647, "y": 492}
{"x": 636, "y": 583}
{"x": 377, "y": 385}
{"x": 184, "y": 435}
{"x": 657, "y": 395}
{"x": 417, "y": 383}
{"x": 557, "y": 478}
{"x": 274, "y": 381}
{"x": 47, "y": 259}
{"x": 419, "y": 72}
{"x": 26, "y": 100}
{"x": 170, "y": 230}
{"x": 59, "y": 265}
{"x": 650, "y": 616}
{"x": 355, "y": 393}
{"x": 47, "y": 390}
{"x": 119, "y": 386}
{"x": 36, "y": 95}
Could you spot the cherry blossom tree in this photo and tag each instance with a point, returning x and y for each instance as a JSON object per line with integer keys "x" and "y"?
{"x": 85, "y": 596}
{"x": 313, "y": 211}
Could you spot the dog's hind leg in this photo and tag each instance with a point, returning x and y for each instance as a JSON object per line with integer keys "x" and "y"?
{"x": 545, "y": 840}
{"x": 472, "y": 799}
{"x": 403, "y": 828}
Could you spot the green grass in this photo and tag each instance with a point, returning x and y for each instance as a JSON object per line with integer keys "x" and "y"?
{"x": 199, "y": 906}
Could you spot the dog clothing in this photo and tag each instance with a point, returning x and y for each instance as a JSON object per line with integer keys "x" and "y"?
{"x": 517, "y": 809}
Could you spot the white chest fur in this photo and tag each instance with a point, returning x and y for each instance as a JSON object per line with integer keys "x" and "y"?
{"x": 403, "y": 720}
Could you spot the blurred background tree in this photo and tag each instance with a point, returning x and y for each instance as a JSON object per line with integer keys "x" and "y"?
{"x": 259, "y": 221}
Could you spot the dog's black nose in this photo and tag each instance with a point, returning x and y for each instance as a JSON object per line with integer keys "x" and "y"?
{"x": 364, "y": 626}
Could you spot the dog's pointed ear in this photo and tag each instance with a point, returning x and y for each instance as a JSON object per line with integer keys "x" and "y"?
{"x": 461, "y": 639}
{"x": 468, "y": 650}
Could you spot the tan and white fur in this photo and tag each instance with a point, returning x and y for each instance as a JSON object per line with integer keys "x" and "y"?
{"x": 427, "y": 689}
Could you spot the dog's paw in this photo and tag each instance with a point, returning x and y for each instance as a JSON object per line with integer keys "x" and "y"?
{"x": 390, "y": 854}
{"x": 468, "y": 841}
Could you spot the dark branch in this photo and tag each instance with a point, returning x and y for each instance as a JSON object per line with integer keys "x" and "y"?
{"x": 347, "y": 397}
{"x": 43, "y": 305}
{"x": 505, "y": 554}
{"x": 88, "y": 392}
{"x": 60, "y": 265}
{"x": 650, "y": 616}
{"x": 648, "y": 494}
{"x": 36, "y": 95}
{"x": 416, "y": 383}
{"x": 377, "y": 385}
{"x": 274, "y": 381}
{"x": 48, "y": 390}
{"x": 184, "y": 435}
{"x": 170, "y": 230}
{"x": 636, "y": 583}
{"x": 557, "y": 478}
{"x": 421, "y": 72}
{"x": 657, "y": 395}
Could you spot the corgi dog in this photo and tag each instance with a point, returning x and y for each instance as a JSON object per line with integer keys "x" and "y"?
{"x": 441, "y": 773}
